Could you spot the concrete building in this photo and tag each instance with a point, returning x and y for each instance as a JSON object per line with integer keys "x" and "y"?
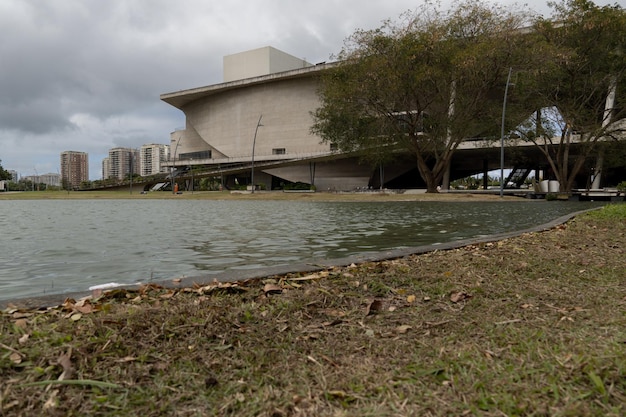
{"x": 51, "y": 179}
{"x": 74, "y": 168}
{"x": 260, "y": 117}
{"x": 106, "y": 168}
{"x": 255, "y": 127}
{"x": 120, "y": 163}
{"x": 153, "y": 158}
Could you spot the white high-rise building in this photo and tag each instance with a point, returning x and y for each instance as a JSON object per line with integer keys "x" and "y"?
{"x": 121, "y": 163}
{"x": 152, "y": 157}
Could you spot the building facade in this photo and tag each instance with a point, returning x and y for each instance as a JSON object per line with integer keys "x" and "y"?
{"x": 121, "y": 163}
{"x": 74, "y": 169}
{"x": 50, "y": 179}
{"x": 153, "y": 158}
{"x": 259, "y": 120}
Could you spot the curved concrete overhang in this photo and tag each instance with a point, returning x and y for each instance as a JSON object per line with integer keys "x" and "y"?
{"x": 180, "y": 99}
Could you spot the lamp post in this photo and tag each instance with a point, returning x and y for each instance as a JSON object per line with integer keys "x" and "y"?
{"x": 173, "y": 173}
{"x": 253, "y": 145}
{"x": 130, "y": 170}
{"x": 506, "y": 91}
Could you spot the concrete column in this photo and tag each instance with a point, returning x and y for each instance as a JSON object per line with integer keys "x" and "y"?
{"x": 485, "y": 173}
{"x": 445, "y": 181}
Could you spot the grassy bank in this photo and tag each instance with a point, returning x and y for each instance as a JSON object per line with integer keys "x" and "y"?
{"x": 532, "y": 325}
{"x": 259, "y": 195}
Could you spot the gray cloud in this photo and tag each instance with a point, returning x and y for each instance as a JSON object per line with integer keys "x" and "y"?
{"x": 87, "y": 74}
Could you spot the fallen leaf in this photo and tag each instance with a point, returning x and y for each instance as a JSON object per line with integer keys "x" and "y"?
{"x": 373, "y": 307}
{"x": 126, "y": 359}
{"x": 76, "y": 316}
{"x": 459, "y": 296}
{"x": 23, "y": 339}
{"x": 84, "y": 307}
{"x": 426, "y": 298}
{"x": 16, "y": 358}
{"x": 21, "y": 323}
{"x": 403, "y": 329}
{"x": 20, "y": 315}
{"x": 307, "y": 278}
{"x": 66, "y": 363}
{"x": 272, "y": 289}
{"x": 410, "y": 299}
{"x": 177, "y": 280}
{"x": 167, "y": 295}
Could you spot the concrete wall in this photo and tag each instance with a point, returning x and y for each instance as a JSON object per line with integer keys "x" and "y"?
{"x": 226, "y": 122}
{"x": 258, "y": 62}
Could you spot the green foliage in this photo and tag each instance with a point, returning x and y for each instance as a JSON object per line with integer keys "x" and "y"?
{"x": 610, "y": 212}
{"x": 584, "y": 48}
{"x": 422, "y": 86}
{"x": 297, "y": 186}
{"x": 4, "y": 174}
{"x": 621, "y": 186}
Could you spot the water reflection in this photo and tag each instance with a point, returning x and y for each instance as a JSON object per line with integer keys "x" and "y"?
{"x": 64, "y": 245}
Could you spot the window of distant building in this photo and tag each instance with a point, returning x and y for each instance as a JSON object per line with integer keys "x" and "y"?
{"x": 278, "y": 151}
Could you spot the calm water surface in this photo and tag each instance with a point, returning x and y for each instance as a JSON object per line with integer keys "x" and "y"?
{"x": 56, "y": 246}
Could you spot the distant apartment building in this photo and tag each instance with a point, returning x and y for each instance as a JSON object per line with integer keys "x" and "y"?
{"x": 120, "y": 163}
{"x": 74, "y": 168}
{"x": 153, "y": 156}
{"x": 106, "y": 168}
{"x": 14, "y": 175}
{"x": 52, "y": 180}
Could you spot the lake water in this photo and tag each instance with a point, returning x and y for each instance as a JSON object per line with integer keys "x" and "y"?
{"x": 57, "y": 246}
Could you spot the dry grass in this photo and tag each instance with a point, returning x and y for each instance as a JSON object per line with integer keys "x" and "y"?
{"x": 532, "y": 325}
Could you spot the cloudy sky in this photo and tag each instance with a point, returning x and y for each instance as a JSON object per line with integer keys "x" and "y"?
{"x": 86, "y": 75}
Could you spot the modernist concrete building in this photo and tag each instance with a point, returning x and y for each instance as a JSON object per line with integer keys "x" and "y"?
{"x": 74, "y": 168}
{"x": 260, "y": 117}
{"x": 258, "y": 120}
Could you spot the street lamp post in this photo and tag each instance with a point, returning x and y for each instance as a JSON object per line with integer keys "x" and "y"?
{"x": 253, "y": 146}
{"x": 173, "y": 173}
{"x": 506, "y": 91}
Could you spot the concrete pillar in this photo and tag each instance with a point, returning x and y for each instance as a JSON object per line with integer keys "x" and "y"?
{"x": 485, "y": 173}
{"x": 445, "y": 182}
{"x": 609, "y": 104}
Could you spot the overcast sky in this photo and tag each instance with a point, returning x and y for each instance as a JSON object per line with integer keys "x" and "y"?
{"x": 86, "y": 75}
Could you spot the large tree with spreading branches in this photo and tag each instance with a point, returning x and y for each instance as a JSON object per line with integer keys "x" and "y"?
{"x": 424, "y": 85}
{"x": 580, "y": 91}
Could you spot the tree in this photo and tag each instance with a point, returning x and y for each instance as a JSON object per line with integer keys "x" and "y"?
{"x": 423, "y": 86}
{"x": 4, "y": 174}
{"x": 581, "y": 91}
